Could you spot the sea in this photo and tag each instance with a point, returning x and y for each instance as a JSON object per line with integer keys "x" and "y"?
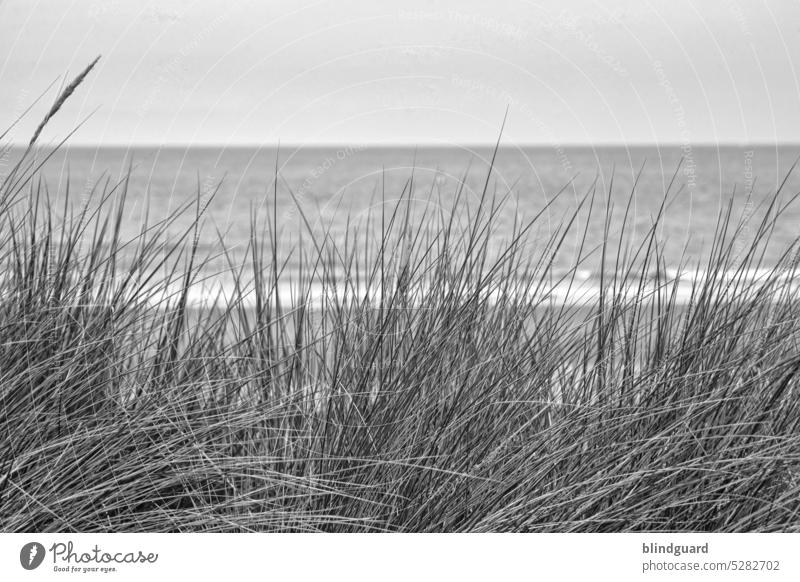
{"x": 338, "y": 191}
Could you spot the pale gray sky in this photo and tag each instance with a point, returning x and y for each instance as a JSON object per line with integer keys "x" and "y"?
{"x": 571, "y": 71}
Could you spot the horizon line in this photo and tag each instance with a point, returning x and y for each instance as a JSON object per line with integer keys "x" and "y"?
{"x": 405, "y": 144}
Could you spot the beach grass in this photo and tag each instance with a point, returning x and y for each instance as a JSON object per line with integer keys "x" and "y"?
{"x": 427, "y": 380}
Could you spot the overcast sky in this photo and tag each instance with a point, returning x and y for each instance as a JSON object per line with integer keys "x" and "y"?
{"x": 570, "y": 71}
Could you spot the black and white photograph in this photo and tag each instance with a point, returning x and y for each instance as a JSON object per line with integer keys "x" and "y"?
{"x": 414, "y": 266}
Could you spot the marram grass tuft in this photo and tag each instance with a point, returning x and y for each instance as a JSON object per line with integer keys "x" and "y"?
{"x": 429, "y": 381}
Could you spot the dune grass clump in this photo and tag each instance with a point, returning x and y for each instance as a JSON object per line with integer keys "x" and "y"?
{"x": 427, "y": 380}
